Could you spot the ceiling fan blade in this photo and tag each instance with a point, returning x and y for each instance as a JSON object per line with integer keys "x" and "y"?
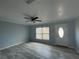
{"x": 26, "y": 18}
{"x": 39, "y": 20}
{"x": 36, "y": 17}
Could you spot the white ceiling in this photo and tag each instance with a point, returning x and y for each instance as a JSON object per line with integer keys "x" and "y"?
{"x": 48, "y": 10}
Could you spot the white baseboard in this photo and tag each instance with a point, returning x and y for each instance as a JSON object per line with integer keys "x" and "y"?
{"x": 11, "y": 46}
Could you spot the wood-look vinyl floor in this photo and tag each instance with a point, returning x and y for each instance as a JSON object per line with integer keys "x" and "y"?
{"x": 36, "y": 51}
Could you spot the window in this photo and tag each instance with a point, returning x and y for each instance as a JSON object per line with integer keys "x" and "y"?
{"x": 42, "y": 33}
{"x": 61, "y": 32}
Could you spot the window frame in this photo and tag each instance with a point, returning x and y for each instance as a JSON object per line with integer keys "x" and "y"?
{"x": 42, "y": 34}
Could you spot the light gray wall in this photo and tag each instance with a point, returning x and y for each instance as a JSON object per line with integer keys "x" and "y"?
{"x": 33, "y": 32}
{"x": 11, "y": 34}
{"x": 67, "y": 40}
{"x": 77, "y": 34}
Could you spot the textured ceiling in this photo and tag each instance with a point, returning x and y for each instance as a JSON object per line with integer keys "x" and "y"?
{"x": 48, "y": 10}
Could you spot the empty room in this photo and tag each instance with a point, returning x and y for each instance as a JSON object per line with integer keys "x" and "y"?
{"x": 39, "y": 29}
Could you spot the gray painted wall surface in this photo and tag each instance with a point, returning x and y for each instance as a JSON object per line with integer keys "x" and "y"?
{"x": 77, "y": 34}
{"x": 11, "y": 34}
{"x": 68, "y": 40}
{"x": 33, "y": 32}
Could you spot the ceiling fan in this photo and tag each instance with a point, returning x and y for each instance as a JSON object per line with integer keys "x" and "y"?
{"x": 32, "y": 18}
